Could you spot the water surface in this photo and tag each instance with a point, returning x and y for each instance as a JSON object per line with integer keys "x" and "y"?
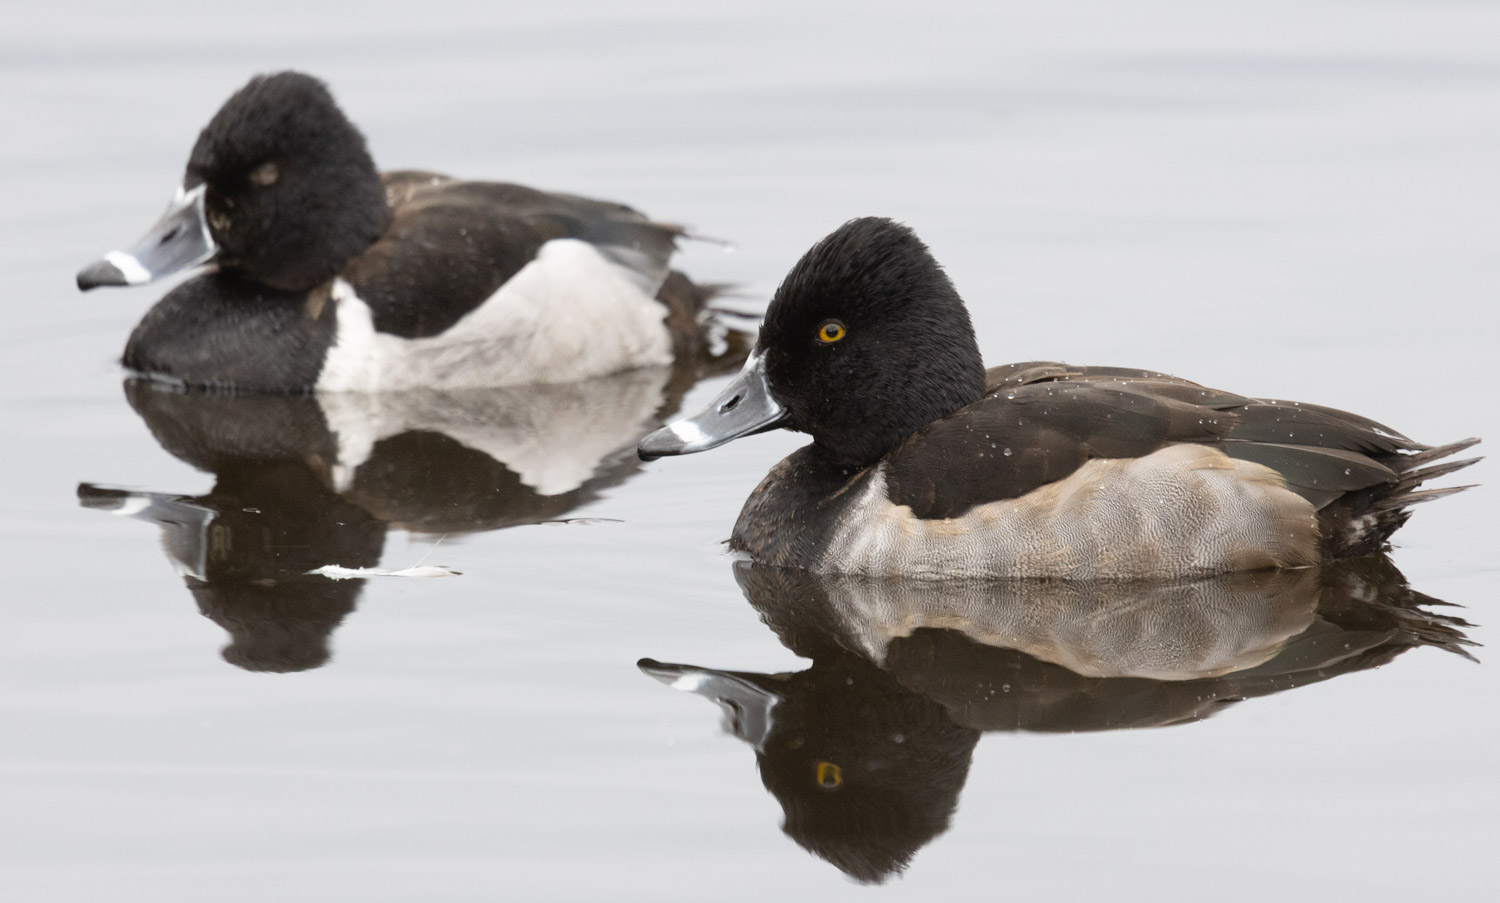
{"x": 1291, "y": 200}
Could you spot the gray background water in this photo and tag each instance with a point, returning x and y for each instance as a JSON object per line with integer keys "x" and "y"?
{"x": 1290, "y": 199}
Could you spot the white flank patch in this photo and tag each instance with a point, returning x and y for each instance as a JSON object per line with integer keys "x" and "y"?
{"x": 569, "y": 314}
{"x": 129, "y": 267}
{"x": 335, "y": 572}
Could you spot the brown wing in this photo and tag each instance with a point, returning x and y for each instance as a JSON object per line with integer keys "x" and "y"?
{"x": 1040, "y": 421}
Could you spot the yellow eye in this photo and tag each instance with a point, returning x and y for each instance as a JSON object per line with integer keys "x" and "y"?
{"x": 831, "y": 331}
{"x": 830, "y": 776}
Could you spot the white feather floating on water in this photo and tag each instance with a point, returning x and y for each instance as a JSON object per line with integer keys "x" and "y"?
{"x": 337, "y": 572}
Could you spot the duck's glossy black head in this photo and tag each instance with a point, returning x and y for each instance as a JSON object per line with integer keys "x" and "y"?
{"x": 291, "y": 193}
{"x": 279, "y": 190}
{"x": 865, "y": 342}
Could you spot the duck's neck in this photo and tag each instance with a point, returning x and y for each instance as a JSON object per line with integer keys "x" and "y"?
{"x": 917, "y": 389}
{"x": 309, "y": 253}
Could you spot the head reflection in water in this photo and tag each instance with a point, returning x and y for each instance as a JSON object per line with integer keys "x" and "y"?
{"x": 244, "y": 551}
{"x": 866, "y": 772}
{"x": 868, "y": 749}
{"x": 303, "y": 482}
{"x": 278, "y": 628}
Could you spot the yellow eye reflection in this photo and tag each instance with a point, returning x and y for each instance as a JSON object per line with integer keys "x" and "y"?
{"x": 830, "y": 776}
{"x": 831, "y": 331}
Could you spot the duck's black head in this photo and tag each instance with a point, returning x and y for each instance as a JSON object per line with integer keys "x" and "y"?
{"x": 865, "y": 342}
{"x": 291, "y": 193}
{"x": 278, "y": 189}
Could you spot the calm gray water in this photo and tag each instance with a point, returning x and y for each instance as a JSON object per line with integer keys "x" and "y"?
{"x": 1293, "y": 200}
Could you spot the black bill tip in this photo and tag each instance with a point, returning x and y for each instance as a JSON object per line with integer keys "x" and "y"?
{"x": 660, "y": 444}
{"x": 98, "y": 273}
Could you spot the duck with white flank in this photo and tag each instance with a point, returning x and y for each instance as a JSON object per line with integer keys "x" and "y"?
{"x": 924, "y": 463}
{"x": 325, "y": 275}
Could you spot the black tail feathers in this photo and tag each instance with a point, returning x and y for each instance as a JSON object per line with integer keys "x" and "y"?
{"x": 1361, "y": 522}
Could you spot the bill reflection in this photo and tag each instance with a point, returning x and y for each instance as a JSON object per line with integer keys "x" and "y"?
{"x": 305, "y": 482}
{"x": 868, "y": 749}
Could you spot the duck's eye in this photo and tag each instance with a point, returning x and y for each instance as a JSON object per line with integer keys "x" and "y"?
{"x": 830, "y": 776}
{"x": 831, "y": 331}
{"x": 265, "y": 174}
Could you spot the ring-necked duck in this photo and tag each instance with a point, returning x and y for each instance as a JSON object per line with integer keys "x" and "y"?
{"x": 925, "y": 464}
{"x": 326, "y": 275}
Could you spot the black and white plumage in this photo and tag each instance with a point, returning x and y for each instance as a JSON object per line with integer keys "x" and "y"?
{"x": 325, "y": 275}
{"x": 924, "y": 463}
{"x": 304, "y": 483}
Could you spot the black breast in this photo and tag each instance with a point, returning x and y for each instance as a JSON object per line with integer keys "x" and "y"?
{"x": 219, "y": 331}
{"x": 789, "y": 517}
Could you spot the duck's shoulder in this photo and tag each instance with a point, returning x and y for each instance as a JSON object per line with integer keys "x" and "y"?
{"x": 220, "y": 330}
{"x": 452, "y": 244}
{"x": 1040, "y": 421}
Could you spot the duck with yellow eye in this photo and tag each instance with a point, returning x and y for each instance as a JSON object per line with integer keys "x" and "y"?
{"x": 924, "y": 463}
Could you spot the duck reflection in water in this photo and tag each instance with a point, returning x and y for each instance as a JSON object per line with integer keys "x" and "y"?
{"x": 868, "y": 749}
{"x": 302, "y": 482}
